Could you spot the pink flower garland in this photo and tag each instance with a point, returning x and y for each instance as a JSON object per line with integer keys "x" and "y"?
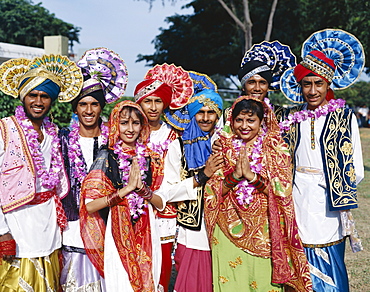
{"x": 136, "y": 202}
{"x": 49, "y": 179}
{"x": 303, "y": 115}
{"x": 243, "y": 189}
{"x": 159, "y": 148}
{"x": 75, "y": 152}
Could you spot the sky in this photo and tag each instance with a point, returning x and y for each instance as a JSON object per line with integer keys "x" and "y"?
{"x": 126, "y": 27}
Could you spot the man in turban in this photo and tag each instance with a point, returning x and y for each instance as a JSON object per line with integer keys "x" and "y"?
{"x": 188, "y": 165}
{"x": 255, "y": 78}
{"x": 80, "y": 144}
{"x": 155, "y": 96}
{"x": 325, "y": 143}
{"x": 32, "y": 175}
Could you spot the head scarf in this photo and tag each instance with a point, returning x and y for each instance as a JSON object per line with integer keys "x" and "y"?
{"x": 197, "y": 143}
{"x": 252, "y": 68}
{"x": 153, "y": 87}
{"x": 269, "y": 117}
{"x": 114, "y": 123}
{"x": 317, "y": 63}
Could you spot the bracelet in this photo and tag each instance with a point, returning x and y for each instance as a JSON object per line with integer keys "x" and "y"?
{"x": 139, "y": 190}
{"x": 231, "y": 181}
{"x": 114, "y": 199}
{"x": 145, "y": 192}
{"x": 237, "y": 179}
{"x": 228, "y": 185}
{"x": 196, "y": 177}
{"x": 201, "y": 178}
{"x": 253, "y": 179}
{"x": 259, "y": 183}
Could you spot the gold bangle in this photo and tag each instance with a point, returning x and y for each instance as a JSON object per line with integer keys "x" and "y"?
{"x": 253, "y": 179}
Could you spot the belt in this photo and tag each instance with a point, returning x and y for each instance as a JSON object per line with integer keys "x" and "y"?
{"x": 325, "y": 244}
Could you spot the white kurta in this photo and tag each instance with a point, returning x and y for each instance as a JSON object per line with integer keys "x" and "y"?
{"x": 72, "y": 234}
{"x": 33, "y": 227}
{"x": 318, "y": 225}
{"x": 175, "y": 190}
{"x": 166, "y": 226}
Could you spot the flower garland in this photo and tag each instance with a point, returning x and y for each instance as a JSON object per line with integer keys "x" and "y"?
{"x": 159, "y": 148}
{"x": 303, "y": 115}
{"x": 75, "y": 152}
{"x": 136, "y": 202}
{"x": 49, "y": 179}
{"x": 243, "y": 189}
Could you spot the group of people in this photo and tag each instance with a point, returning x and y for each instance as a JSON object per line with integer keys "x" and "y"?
{"x": 255, "y": 197}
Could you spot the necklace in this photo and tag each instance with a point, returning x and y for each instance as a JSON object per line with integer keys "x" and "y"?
{"x": 136, "y": 203}
{"x": 303, "y": 115}
{"x": 244, "y": 190}
{"x": 75, "y": 152}
{"x": 49, "y": 179}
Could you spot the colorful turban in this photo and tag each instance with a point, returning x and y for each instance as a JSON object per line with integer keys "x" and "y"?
{"x": 252, "y": 68}
{"x": 32, "y": 81}
{"x": 197, "y": 143}
{"x": 207, "y": 97}
{"x": 54, "y": 74}
{"x": 91, "y": 87}
{"x": 105, "y": 76}
{"x": 153, "y": 87}
{"x": 317, "y": 63}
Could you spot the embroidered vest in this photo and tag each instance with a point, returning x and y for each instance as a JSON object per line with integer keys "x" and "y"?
{"x": 189, "y": 213}
{"x": 337, "y": 157}
{"x": 18, "y": 173}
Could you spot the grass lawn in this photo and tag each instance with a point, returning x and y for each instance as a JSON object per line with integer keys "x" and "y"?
{"x": 358, "y": 264}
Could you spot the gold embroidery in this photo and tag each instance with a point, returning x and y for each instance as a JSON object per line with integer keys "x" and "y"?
{"x": 238, "y": 261}
{"x": 223, "y": 279}
{"x": 351, "y": 174}
{"x": 253, "y": 285}
{"x": 338, "y": 150}
{"x": 347, "y": 148}
{"x": 215, "y": 240}
{"x": 207, "y": 102}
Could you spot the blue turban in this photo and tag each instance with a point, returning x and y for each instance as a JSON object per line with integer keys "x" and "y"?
{"x": 197, "y": 143}
{"x": 41, "y": 84}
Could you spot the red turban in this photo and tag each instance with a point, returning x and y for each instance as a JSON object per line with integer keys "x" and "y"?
{"x": 153, "y": 87}
{"x": 317, "y": 63}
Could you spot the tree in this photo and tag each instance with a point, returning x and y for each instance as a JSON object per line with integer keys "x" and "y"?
{"x": 210, "y": 41}
{"x": 25, "y": 23}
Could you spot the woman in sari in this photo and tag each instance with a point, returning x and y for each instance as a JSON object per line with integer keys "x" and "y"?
{"x": 117, "y": 220}
{"x": 249, "y": 207}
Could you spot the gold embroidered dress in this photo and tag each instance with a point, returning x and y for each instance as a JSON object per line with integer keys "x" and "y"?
{"x": 256, "y": 246}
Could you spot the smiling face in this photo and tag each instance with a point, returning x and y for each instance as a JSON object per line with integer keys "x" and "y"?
{"x": 37, "y": 104}
{"x": 256, "y": 86}
{"x": 130, "y": 126}
{"x": 314, "y": 90}
{"x": 88, "y": 110}
{"x": 206, "y": 119}
{"x": 246, "y": 125}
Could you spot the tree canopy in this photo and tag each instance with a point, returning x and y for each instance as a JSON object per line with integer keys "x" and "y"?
{"x": 25, "y": 23}
{"x": 209, "y": 41}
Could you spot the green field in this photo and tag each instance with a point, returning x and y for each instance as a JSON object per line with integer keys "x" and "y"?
{"x": 358, "y": 264}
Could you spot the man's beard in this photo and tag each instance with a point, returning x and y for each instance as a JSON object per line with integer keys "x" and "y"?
{"x": 29, "y": 116}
